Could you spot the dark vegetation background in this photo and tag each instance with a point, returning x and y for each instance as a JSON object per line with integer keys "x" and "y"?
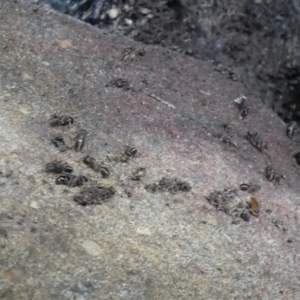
{"x": 255, "y": 42}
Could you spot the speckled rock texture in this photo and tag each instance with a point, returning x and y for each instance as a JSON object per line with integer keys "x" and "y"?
{"x": 140, "y": 243}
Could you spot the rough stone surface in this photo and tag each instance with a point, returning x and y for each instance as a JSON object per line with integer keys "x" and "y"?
{"x": 255, "y": 42}
{"x": 137, "y": 245}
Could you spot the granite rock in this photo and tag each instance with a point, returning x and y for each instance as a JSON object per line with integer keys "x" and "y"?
{"x": 180, "y": 116}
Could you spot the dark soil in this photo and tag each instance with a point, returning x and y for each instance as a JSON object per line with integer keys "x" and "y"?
{"x": 255, "y": 42}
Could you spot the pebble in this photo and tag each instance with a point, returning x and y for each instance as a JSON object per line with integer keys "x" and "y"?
{"x": 144, "y": 11}
{"x": 113, "y": 13}
{"x": 92, "y": 248}
{"x": 65, "y": 44}
{"x": 128, "y": 22}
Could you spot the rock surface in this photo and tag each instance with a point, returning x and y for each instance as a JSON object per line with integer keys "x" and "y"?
{"x": 180, "y": 116}
{"x": 256, "y": 42}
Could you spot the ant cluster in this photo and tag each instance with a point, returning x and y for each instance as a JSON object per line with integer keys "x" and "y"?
{"x": 94, "y": 195}
{"x": 128, "y": 153}
{"x": 130, "y": 53}
{"x": 58, "y": 141}
{"x": 138, "y": 174}
{"x": 88, "y": 195}
{"x": 56, "y": 120}
{"x": 256, "y": 141}
{"x": 226, "y": 201}
{"x": 291, "y": 129}
{"x": 249, "y": 187}
{"x": 64, "y": 171}
{"x": 172, "y": 185}
{"x": 273, "y": 175}
{"x": 242, "y": 104}
{"x": 91, "y": 193}
{"x": 97, "y": 167}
